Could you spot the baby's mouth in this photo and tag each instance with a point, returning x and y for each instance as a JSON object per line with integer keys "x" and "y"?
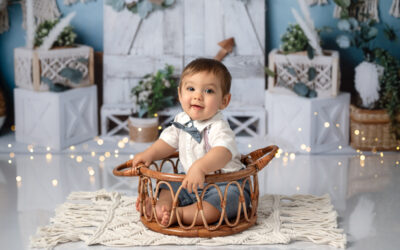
{"x": 197, "y": 107}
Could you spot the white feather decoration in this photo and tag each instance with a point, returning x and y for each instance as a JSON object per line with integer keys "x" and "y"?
{"x": 367, "y": 82}
{"x": 56, "y": 31}
{"x": 307, "y": 25}
{"x": 30, "y": 25}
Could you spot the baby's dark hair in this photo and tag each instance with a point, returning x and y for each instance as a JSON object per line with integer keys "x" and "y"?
{"x": 212, "y": 66}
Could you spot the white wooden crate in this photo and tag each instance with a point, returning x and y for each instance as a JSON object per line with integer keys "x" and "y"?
{"x": 327, "y": 80}
{"x": 53, "y": 119}
{"x": 319, "y": 124}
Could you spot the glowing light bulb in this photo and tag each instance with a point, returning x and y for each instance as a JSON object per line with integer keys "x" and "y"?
{"x": 339, "y": 163}
{"x": 337, "y": 125}
{"x": 139, "y": 129}
{"x": 12, "y": 155}
{"x": 9, "y": 161}
{"x": 72, "y": 148}
{"x": 356, "y": 132}
{"x": 125, "y": 140}
{"x": 121, "y": 144}
{"x": 303, "y": 146}
{"x": 18, "y": 178}
{"x": 9, "y": 145}
{"x": 381, "y": 154}
{"x": 48, "y": 148}
{"x": 326, "y": 124}
{"x": 93, "y": 154}
{"x": 131, "y": 156}
{"x": 308, "y": 149}
{"x": 298, "y": 188}
{"x": 362, "y": 157}
{"x": 155, "y": 115}
{"x": 102, "y": 158}
{"x": 107, "y": 154}
{"x": 48, "y": 156}
{"x": 54, "y": 183}
{"x": 116, "y": 151}
{"x": 299, "y": 129}
{"x": 91, "y": 171}
{"x": 340, "y": 147}
{"x": 31, "y": 157}
{"x": 315, "y": 113}
{"x": 100, "y": 142}
{"x": 159, "y": 127}
{"x": 249, "y": 146}
{"x": 13, "y": 128}
{"x": 292, "y": 156}
{"x": 79, "y": 159}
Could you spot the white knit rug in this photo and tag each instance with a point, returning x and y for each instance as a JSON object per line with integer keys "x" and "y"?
{"x": 110, "y": 219}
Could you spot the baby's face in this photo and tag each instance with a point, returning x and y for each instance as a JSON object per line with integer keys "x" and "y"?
{"x": 201, "y": 95}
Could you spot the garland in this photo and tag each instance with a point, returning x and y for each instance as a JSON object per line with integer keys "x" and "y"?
{"x": 141, "y": 7}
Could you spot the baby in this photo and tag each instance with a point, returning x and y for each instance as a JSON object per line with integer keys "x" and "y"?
{"x": 205, "y": 143}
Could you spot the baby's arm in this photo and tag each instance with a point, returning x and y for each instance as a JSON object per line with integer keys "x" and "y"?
{"x": 214, "y": 160}
{"x": 158, "y": 150}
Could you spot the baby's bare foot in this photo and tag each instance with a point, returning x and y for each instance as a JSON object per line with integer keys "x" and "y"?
{"x": 164, "y": 216}
{"x": 147, "y": 206}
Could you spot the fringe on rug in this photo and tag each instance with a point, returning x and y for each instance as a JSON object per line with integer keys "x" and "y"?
{"x": 110, "y": 219}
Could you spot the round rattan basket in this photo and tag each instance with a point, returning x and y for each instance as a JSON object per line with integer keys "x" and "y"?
{"x": 371, "y": 130}
{"x": 148, "y": 178}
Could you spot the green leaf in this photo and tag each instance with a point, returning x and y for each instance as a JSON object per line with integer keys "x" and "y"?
{"x": 269, "y": 72}
{"x": 291, "y": 70}
{"x": 83, "y": 60}
{"x": 343, "y": 41}
{"x": 344, "y": 25}
{"x": 144, "y": 7}
{"x": 312, "y": 73}
{"x": 169, "y": 2}
{"x": 117, "y": 5}
{"x": 301, "y": 89}
{"x": 53, "y": 87}
{"x": 389, "y": 33}
{"x": 310, "y": 52}
{"x": 372, "y": 33}
{"x": 73, "y": 75}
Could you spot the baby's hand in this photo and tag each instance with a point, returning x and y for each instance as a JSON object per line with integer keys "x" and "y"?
{"x": 142, "y": 157}
{"x": 194, "y": 178}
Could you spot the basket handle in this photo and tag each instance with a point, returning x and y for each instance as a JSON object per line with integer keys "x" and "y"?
{"x": 261, "y": 157}
{"x": 128, "y": 169}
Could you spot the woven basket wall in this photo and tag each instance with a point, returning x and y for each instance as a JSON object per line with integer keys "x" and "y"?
{"x": 371, "y": 129}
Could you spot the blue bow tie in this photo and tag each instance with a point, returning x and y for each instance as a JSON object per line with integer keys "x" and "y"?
{"x": 189, "y": 128}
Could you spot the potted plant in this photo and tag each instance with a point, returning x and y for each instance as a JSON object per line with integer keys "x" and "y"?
{"x": 153, "y": 93}
{"x": 301, "y": 66}
{"x": 375, "y": 115}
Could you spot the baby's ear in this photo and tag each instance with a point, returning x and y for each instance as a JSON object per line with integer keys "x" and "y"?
{"x": 225, "y": 101}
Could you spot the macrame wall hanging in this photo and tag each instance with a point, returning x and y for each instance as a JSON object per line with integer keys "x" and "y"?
{"x": 395, "y": 8}
{"x": 319, "y": 2}
{"x": 3, "y": 16}
{"x": 362, "y": 11}
{"x": 42, "y": 10}
{"x": 71, "y": 2}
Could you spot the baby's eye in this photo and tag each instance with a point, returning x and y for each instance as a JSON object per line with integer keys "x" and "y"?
{"x": 190, "y": 89}
{"x": 209, "y": 91}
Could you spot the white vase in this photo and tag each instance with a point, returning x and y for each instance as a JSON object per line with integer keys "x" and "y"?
{"x": 143, "y": 129}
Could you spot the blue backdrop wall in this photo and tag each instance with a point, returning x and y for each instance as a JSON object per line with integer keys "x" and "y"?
{"x": 88, "y": 24}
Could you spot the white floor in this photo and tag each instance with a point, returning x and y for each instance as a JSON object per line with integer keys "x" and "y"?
{"x": 35, "y": 180}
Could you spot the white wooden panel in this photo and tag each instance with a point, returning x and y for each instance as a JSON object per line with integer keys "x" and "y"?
{"x": 118, "y": 90}
{"x": 119, "y": 30}
{"x": 149, "y": 38}
{"x": 257, "y": 11}
{"x": 173, "y": 30}
{"x": 213, "y": 26}
{"x": 193, "y": 27}
{"x": 238, "y": 25}
{"x": 138, "y": 66}
{"x": 249, "y": 91}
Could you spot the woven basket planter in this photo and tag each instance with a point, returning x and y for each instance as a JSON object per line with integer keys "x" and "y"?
{"x": 371, "y": 130}
{"x": 31, "y": 67}
{"x": 327, "y": 80}
{"x": 143, "y": 129}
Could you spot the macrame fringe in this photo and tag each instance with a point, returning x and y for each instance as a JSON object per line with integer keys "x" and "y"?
{"x": 110, "y": 219}
{"x": 319, "y": 2}
{"x": 42, "y": 10}
{"x": 395, "y": 8}
{"x": 3, "y": 16}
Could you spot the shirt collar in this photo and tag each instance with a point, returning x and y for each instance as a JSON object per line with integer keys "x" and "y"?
{"x": 201, "y": 125}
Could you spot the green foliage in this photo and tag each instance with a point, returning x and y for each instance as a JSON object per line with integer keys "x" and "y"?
{"x": 294, "y": 39}
{"x": 141, "y": 7}
{"x": 66, "y": 38}
{"x": 155, "y": 92}
{"x": 390, "y": 87}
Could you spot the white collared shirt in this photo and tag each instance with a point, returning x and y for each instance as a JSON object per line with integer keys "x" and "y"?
{"x": 218, "y": 134}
